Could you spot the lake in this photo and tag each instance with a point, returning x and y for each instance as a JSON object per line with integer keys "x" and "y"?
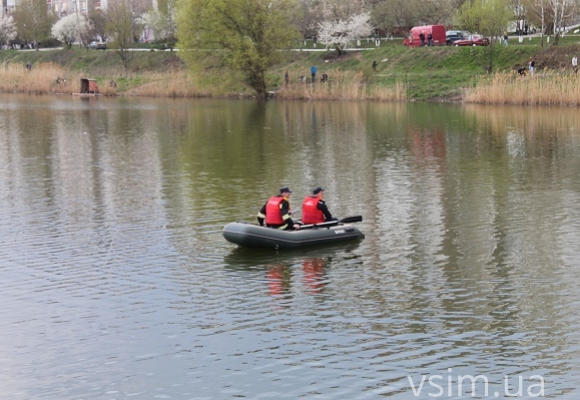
{"x": 117, "y": 283}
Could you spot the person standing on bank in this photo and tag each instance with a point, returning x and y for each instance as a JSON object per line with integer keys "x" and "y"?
{"x": 314, "y": 209}
{"x": 313, "y": 73}
{"x": 276, "y": 212}
{"x": 575, "y": 64}
{"x": 531, "y": 66}
{"x": 422, "y": 38}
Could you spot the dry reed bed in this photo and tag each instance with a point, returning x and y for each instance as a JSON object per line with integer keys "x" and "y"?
{"x": 49, "y": 78}
{"x": 44, "y": 79}
{"x": 344, "y": 85}
{"x": 537, "y": 123}
{"x": 543, "y": 89}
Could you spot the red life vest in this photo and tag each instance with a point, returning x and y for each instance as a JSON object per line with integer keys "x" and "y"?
{"x": 273, "y": 214}
{"x": 310, "y": 212}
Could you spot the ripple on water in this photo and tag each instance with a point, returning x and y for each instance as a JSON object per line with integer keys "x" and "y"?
{"x": 116, "y": 280}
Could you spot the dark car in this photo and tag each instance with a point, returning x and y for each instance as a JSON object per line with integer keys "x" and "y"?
{"x": 452, "y": 36}
{"x": 472, "y": 40}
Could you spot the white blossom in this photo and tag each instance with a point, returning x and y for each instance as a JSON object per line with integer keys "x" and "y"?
{"x": 69, "y": 28}
{"x": 7, "y": 29}
{"x": 340, "y": 33}
{"x": 163, "y": 25}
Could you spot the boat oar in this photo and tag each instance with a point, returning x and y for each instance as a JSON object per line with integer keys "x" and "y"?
{"x": 347, "y": 220}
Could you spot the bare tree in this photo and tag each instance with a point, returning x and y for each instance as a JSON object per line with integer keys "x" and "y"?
{"x": 561, "y": 11}
{"x": 122, "y": 27}
{"x": 408, "y": 13}
{"x": 98, "y": 20}
{"x": 537, "y": 12}
{"x": 340, "y": 10}
{"x": 307, "y": 17}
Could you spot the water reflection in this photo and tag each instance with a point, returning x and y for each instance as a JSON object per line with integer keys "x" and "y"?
{"x": 280, "y": 276}
{"x": 111, "y": 214}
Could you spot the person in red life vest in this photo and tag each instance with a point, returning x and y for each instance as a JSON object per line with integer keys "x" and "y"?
{"x": 276, "y": 212}
{"x": 314, "y": 209}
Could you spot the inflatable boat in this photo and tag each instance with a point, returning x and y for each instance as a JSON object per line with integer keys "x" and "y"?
{"x": 254, "y": 236}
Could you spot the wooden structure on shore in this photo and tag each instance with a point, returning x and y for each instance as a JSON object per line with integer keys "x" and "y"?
{"x": 88, "y": 88}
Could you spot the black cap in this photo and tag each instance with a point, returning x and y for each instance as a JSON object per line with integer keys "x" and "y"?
{"x": 317, "y": 190}
{"x": 285, "y": 189}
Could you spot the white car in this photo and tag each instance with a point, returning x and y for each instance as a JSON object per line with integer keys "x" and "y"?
{"x": 98, "y": 45}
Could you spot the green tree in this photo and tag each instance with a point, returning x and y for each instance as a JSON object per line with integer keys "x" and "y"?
{"x": 241, "y": 36}
{"x": 33, "y": 21}
{"x": 487, "y": 17}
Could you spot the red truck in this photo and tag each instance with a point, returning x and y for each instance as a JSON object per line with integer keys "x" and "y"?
{"x": 437, "y": 32}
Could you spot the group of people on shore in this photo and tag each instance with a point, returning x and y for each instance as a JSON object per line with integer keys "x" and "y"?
{"x": 302, "y": 78}
{"x": 429, "y": 41}
{"x": 532, "y": 66}
{"x": 276, "y": 213}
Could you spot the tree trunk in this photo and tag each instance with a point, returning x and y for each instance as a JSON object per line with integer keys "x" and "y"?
{"x": 257, "y": 81}
{"x": 490, "y": 66}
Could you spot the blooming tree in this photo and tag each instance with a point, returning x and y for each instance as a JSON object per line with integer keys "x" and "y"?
{"x": 7, "y": 29}
{"x": 70, "y": 28}
{"x": 147, "y": 21}
{"x": 343, "y": 31}
{"x": 162, "y": 24}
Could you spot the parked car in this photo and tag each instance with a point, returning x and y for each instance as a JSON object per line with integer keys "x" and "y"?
{"x": 472, "y": 40}
{"x": 452, "y": 36}
{"x": 98, "y": 45}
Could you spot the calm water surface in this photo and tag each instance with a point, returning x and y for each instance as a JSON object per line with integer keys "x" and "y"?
{"x": 116, "y": 282}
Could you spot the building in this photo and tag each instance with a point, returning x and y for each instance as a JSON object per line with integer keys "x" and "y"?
{"x": 65, "y": 7}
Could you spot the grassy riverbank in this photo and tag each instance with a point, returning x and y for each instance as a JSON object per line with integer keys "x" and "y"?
{"x": 430, "y": 73}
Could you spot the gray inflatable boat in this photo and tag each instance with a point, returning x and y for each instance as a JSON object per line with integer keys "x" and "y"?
{"x": 254, "y": 236}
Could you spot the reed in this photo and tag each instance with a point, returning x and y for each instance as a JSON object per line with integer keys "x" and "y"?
{"x": 546, "y": 88}
{"x": 42, "y": 79}
{"x": 50, "y": 78}
{"x": 343, "y": 85}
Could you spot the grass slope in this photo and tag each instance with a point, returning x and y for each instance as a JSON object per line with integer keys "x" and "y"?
{"x": 97, "y": 61}
{"x": 430, "y": 73}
